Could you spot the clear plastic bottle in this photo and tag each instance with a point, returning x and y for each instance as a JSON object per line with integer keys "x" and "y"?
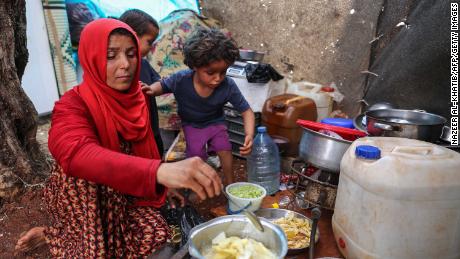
{"x": 263, "y": 164}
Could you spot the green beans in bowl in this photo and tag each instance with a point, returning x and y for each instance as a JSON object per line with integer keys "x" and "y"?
{"x": 245, "y": 195}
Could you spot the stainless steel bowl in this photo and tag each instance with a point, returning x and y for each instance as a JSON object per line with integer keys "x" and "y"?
{"x": 272, "y": 214}
{"x": 201, "y": 236}
{"x": 323, "y": 151}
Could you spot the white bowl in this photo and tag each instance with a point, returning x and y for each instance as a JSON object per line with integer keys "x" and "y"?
{"x": 238, "y": 204}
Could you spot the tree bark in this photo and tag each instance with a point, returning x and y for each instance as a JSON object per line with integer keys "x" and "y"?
{"x": 21, "y": 161}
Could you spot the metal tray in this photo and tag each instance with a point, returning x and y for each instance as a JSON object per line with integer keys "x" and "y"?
{"x": 272, "y": 214}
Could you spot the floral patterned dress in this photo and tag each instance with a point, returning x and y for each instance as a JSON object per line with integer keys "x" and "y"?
{"x": 96, "y": 221}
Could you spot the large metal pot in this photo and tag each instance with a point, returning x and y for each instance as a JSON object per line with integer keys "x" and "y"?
{"x": 411, "y": 124}
{"x": 201, "y": 236}
{"x": 321, "y": 150}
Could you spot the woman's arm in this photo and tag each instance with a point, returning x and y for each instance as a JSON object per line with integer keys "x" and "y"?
{"x": 75, "y": 146}
{"x": 249, "y": 124}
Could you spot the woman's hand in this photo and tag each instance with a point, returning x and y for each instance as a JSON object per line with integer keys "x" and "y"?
{"x": 247, "y": 146}
{"x": 174, "y": 196}
{"x": 191, "y": 173}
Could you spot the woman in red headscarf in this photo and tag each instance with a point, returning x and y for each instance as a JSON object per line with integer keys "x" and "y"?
{"x": 109, "y": 178}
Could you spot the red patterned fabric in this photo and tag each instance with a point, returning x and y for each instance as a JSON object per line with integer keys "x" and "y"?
{"x": 95, "y": 221}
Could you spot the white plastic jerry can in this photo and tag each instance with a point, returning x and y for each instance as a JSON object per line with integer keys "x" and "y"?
{"x": 323, "y": 100}
{"x": 398, "y": 198}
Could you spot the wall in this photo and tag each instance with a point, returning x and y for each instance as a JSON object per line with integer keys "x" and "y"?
{"x": 319, "y": 41}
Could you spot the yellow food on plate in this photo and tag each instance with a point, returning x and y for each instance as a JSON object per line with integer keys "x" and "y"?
{"x": 297, "y": 230}
{"x": 237, "y": 248}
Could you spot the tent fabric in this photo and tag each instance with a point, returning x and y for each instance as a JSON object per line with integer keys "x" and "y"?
{"x": 410, "y": 62}
{"x": 61, "y": 48}
{"x": 158, "y": 9}
{"x": 166, "y": 57}
{"x": 80, "y": 13}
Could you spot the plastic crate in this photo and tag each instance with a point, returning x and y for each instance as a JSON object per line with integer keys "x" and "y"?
{"x": 235, "y": 128}
{"x": 236, "y": 137}
{"x": 235, "y": 123}
{"x": 236, "y": 149}
{"x": 231, "y": 114}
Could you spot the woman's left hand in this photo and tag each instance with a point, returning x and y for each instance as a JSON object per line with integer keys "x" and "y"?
{"x": 174, "y": 196}
{"x": 247, "y": 146}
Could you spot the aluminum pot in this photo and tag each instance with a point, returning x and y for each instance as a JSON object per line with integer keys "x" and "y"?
{"x": 201, "y": 236}
{"x": 321, "y": 150}
{"x": 411, "y": 124}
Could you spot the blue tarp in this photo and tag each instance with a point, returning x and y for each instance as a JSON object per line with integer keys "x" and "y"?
{"x": 158, "y": 9}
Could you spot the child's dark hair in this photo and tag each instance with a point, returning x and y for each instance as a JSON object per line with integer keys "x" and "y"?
{"x": 208, "y": 45}
{"x": 139, "y": 21}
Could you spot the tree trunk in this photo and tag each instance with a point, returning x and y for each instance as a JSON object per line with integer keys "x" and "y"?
{"x": 21, "y": 161}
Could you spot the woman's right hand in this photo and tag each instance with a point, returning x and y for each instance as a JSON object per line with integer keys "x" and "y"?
{"x": 191, "y": 173}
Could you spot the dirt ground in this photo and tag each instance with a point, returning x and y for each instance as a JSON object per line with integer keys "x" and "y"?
{"x": 28, "y": 210}
{"x": 25, "y": 212}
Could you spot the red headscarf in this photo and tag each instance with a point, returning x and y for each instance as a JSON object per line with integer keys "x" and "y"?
{"x": 115, "y": 113}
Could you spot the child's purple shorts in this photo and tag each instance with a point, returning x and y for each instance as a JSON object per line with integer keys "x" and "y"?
{"x": 215, "y": 136}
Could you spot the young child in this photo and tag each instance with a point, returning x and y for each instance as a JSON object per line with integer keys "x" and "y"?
{"x": 147, "y": 29}
{"x": 201, "y": 93}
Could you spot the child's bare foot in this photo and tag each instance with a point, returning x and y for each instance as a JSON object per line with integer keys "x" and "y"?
{"x": 31, "y": 240}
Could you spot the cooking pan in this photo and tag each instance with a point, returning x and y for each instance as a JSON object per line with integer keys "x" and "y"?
{"x": 413, "y": 124}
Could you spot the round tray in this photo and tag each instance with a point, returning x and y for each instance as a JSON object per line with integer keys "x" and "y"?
{"x": 272, "y": 214}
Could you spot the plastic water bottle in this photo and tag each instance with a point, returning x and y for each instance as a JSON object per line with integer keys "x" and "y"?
{"x": 263, "y": 164}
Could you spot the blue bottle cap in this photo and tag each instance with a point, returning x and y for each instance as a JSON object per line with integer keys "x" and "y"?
{"x": 261, "y": 129}
{"x": 367, "y": 152}
{"x": 339, "y": 122}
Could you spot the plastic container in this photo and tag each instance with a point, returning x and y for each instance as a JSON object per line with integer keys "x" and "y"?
{"x": 251, "y": 204}
{"x": 280, "y": 114}
{"x": 235, "y": 128}
{"x": 339, "y": 122}
{"x": 263, "y": 164}
{"x": 313, "y": 91}
{"x": 405, "y": 204}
